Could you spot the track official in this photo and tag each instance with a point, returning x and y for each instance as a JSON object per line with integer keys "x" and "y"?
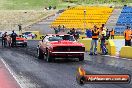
{"x": 13, "y": 36}
{"x": 112, "y": 33}
{"x": 128, "y": 36}
{"x": 95, "y": 35}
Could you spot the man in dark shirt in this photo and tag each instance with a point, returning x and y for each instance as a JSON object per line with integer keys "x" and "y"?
{"x": 4, "y": 39}
{"x": 13, "y": 36}
{"x": 103, "y": 46}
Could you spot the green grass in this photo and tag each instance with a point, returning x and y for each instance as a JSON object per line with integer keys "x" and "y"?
{"x": 27, "y": 4}
{"x": 40, "y": 4}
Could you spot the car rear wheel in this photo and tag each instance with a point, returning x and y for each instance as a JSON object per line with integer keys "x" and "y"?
{"x": 40, "y": 54}
{"x": 81, "y": 58}
{"x": 49, "y": 58}
{"x": 24, "y": 45}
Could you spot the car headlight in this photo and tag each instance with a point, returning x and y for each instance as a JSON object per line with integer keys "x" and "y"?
{"x": 25, "y": 40}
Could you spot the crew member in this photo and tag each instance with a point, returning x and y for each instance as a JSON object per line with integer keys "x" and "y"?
{"x": 112, "y": 33}
{"x": 102, "y": 29}
{"x": 13, "y": 36}
{"x": 103, "y": 46}
{"x": 4, "y": 39}
{"x": 9, "y": 40}
{"x": 107, "y": 34}
{"x": 95, "y": 34}
{"x": 128, "y": 35}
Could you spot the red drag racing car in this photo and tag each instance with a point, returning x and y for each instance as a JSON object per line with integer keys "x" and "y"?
{"x": 60, "y": 46}
{"x": 21, "y": 41}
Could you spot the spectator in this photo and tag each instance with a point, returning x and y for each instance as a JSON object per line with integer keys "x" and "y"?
{"x": 13, "y": 36}
{"x": 54, "y": 7}
{"x": 35, "y": 36}
{"x": 76, "y": 35}
{"x": 89, "y": 33}
{"x": 63, "y": 28}
{"x": 56, "y": 30}
{"x": 50, "y": 7}
{"x": 95, "y": 34}
{"x": 73, "y": 31}
{"x": 69, "y": 32}
{"x": 59, "y": 28}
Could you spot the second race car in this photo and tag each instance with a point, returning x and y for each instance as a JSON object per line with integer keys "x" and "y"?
{"x": 20, "y": 41}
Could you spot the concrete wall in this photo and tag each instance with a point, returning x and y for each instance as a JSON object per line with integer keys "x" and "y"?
{"x": 126, "y": 52}
{"x": 110, "y": 46}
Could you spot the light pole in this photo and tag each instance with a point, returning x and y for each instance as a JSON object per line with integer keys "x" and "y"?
{"x": 84, "y": 22}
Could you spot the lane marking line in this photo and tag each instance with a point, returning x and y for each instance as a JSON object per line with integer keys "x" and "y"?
{"x": 118, "y": 57}
{"x": 11, "y": 72}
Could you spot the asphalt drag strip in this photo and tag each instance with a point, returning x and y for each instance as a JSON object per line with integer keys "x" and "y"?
{"x": 34, "y": 73}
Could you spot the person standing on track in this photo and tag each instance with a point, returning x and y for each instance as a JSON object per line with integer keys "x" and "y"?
{"x": 103, "y": 46}
{"x": 95, "y": 35}
{"x": 4, "y": 39}
{"x": 107, "y": 34}
{"x": 112, "y": 33}
{"x": 13, "y": 36}
{"x": 128, "y": 35}
{"x": 9, "y": 40}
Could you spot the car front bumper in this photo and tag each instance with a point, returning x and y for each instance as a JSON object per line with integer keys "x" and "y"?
{"x": 21, "y": 43}
{"x": 67, "y": 54}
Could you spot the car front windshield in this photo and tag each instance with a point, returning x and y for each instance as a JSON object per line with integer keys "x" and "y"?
{"x": 68, "y": 37}
{"x": 54, "y": 38}
{"x": 61, "y": 37}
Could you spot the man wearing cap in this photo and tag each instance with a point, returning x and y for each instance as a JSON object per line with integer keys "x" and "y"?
{"x": 95, "y": 35}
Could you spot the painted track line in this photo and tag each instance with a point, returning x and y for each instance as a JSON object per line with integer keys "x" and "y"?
{"x": 117, "y": 57}
{"x": 11, "y": 72}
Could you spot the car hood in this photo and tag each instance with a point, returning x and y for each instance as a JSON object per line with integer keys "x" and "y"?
{"x": 19, "y": 38}
{"x": 65, "y": 43}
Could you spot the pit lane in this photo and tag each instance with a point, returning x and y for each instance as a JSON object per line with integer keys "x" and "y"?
{"x": 34, "y": 73}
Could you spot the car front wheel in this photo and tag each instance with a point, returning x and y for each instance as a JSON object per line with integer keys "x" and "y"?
{"x": 40, "y": 54}
{"x": 81, "y": 58}
{"x": 49, "y": 58}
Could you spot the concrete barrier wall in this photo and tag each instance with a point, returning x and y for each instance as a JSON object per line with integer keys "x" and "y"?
{"x": 119, "y": 37}
{"x": 126, "y": 52}
{"x": 116, "y": 37}
{"x": 110, "y": 46}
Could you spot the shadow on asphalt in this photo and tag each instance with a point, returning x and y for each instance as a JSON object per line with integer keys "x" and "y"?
{"x": 60, "y": 60}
